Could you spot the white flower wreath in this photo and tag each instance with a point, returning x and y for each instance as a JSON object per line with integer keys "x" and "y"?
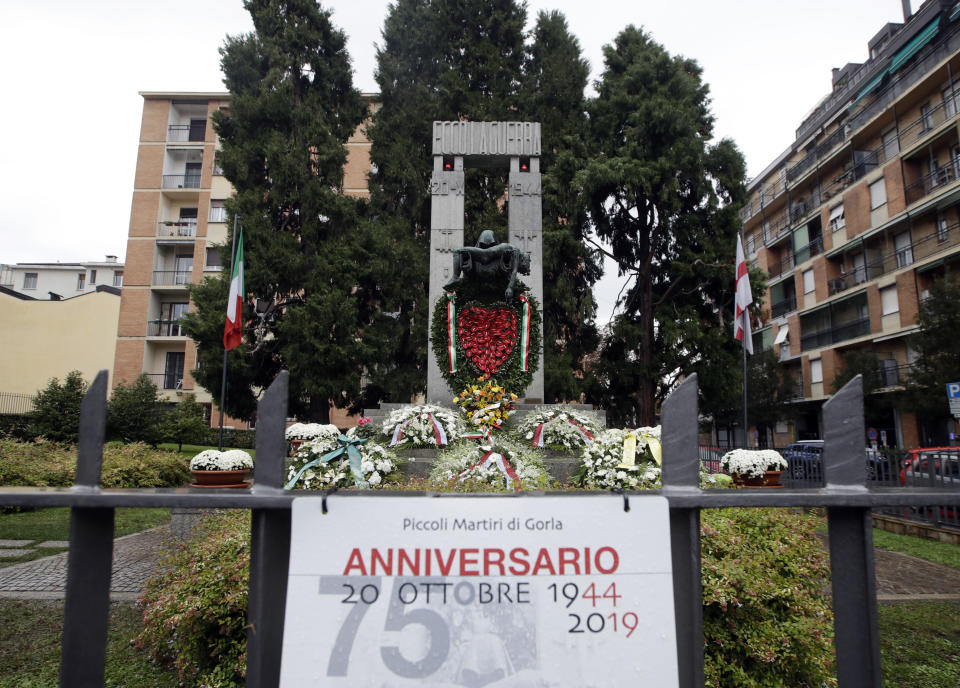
{"x": 377, "y": 464}
{"x": 602, "y": 465}
{"x": 414, "y": 425}
{"x": 473, "y": 466}
{"x": 565, "y": 427}
{"x": 213, "y": 460}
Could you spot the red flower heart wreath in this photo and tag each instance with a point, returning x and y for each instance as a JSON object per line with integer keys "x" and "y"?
{"x": 488, "y": 336}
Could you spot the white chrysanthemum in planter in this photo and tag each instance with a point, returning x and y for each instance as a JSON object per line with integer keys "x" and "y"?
{"x": 213, "y": 460}
{"x": 752, "y": 462}
{"x": 311, "y": 431}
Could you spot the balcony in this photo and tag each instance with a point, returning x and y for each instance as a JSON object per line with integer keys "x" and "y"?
{"x": 171, "y": 278}
{"x": 805, "y": 253}
{"x": 836, "y": 334}
{"x": 177, "y": 229}
{"x": 783, "y": 307}
{"x": 166, "y": 380}
{"x": 780, "y": 267}
{"x": 930, "y": 183}
{"x": 831, "y": 142}
{"x": 182, "y": 133}
{"x": 799, "y": 168}
{"x": 181, "y": 181}
{"x": 893, "y": 374}
{"x": 775, "y": 230}
{"x": 927, "y": 122}
{"x": 164, "y": 328}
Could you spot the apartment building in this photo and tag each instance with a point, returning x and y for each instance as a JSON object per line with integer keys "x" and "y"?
{"x": 177, "y": 220}
{"x": 854, "y": 220}
{"x": 55, "y": 281}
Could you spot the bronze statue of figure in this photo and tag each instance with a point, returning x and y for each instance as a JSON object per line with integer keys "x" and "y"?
{"x": 489, "y": 258}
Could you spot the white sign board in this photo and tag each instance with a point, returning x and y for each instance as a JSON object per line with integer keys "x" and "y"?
{"x": 474, "y": 591}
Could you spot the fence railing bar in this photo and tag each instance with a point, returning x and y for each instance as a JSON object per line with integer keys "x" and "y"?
{"x": 681, "y": 470}
{"x": 269, "y": 544}
{"x": 856, "y": 635}
{"x": 90, "y": 558}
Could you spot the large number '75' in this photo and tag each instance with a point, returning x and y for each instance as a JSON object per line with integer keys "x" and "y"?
{"x": 397, "y": 619}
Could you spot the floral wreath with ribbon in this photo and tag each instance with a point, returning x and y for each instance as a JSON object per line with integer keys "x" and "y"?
{"x": 476, "y": 334}
{"x": 324, "y": 464}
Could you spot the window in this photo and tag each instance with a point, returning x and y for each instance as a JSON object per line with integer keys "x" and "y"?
{"x": 816, "y": 370}
{"x": 217, "y": 168}
{"x": 173, "y": 371}
{"x": 949, "y": 102}
{"x": 29, "y": 280}
{"x": 93, "y": 277}
{"x": 891, "y": 144}
{"x": 878, "y": 194}
{"x": 81, "y": 280}
{"x": 926, "y": 116}
{"x": 218, "y": 213}
{"x": 837, "y": 219}
{"x": 118, "y": 278}
{"x": 903, "y": 248}
{"x": 213, "y": 259}
{"x": 888, "y": 300}
{"x": 808, "y": 285}
{"x": 942, "y": 230}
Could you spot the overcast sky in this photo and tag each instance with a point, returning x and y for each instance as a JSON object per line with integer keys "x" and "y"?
{"x": 73, "y": 69}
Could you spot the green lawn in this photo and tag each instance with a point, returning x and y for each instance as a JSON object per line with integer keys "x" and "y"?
{"x": 939, "y": 552}
{"x": 191, "y": 450}
{"x": 54, "y": 524}
{"x": 30, "y": 651}
{"x": 920, "y": 644}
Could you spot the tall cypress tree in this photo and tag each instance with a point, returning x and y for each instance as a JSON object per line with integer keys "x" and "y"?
{"x": 554, "y": 80}
{"x": 438, "y": 60}
{"x": 666, "y": 200}
{"x": 292, "y": 108}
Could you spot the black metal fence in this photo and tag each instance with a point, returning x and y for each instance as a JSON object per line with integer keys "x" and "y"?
{"x": 845, "y": 496}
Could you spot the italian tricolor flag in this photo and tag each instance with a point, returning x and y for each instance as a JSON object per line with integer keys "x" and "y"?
{"x": 233, "y": 330}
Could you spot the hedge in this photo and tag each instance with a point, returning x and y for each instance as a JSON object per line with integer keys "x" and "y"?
{"x": 47, "y": 464}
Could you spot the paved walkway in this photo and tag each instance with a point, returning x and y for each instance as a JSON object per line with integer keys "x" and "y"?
{"x": 134, "y": 560}
{"x": 900, "y": 577}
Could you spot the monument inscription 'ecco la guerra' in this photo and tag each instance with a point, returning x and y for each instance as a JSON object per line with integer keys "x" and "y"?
{"x": 516, "y": 147}
{"x": 486, "y": 138}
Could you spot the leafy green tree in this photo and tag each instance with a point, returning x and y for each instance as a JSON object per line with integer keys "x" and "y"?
{"x": 293, "y": 107}
{"x": 56, "y": 409}
{"x": 135, "y": 412}
{"x": 876, "y": 407}
{"x": 552, "y": 93}
{"x": 938, "y": 355}
{"x": 438, "y": 60}
{"x": 185, "y": 423}
{"x": 666, "y": 200}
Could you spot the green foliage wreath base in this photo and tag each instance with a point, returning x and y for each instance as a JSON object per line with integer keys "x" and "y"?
{"x": 508, "y": 375}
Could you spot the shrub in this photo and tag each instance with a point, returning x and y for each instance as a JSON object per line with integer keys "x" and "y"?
{"x": 195, "y": 609}
{"x": 766, "y": 620}
{"x": 239, "y": 439}
{"x": 46, "y": 464}
{"x": 56, "y": 410}
{"x": 135, "y": 412}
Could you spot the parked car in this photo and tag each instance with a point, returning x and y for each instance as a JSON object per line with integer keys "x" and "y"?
{"x": 805, "y": 462}
{"x": 931, "y": 466}
{"x": 803, "y": 459}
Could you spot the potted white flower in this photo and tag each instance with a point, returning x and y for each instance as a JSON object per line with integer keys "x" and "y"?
{"x": 299, "y": 434}
{"x": 754, "y": 467}
{"x": 212, "y": 468}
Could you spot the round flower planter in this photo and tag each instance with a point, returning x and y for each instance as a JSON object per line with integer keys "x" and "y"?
{"x": 220, "y": 478}
{"x": 768, "y": 479}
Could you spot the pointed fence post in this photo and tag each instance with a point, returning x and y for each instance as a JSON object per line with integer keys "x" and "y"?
{"x": 269, "y": 543}
{"x": 681, "y": 470}
{"x": 856, "y": 636}
{"x": 89, "y": 562}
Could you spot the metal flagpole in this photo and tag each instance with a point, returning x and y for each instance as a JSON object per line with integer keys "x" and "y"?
{"x": 223, "y": 379}
{"x": 746, "y": 428}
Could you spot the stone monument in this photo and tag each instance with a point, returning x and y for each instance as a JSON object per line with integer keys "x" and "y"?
{"x": 516, "y": 147}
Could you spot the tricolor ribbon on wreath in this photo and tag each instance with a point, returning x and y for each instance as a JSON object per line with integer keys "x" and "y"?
{"x": 349, "y": 446}
{"x": 538, "y": 433}
{"x": 524, "y": 333}
{"x": 439, "y": 434}
{"x": 501, "y": 462}
{"x": 451, "y": 330}
{"x": 480, "y": 434}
